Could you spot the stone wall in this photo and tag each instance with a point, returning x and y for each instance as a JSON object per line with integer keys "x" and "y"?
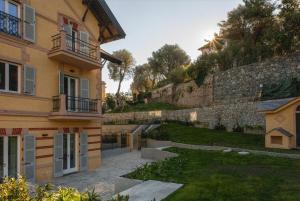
{"x": 229, "y": 115}
{"x": 186, "y": 94}
{"x": 239, "y": 84}
{"x": 243, "y": 83}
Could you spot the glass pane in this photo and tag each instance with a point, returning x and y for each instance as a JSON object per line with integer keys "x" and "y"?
{"x": 72, "y": 93}
{"x": 13, "y": 78}
{"x": 12, "y": 9}
{"x": 2, "y": 76}
{"x": 12, "y": 156}
{"x": 66, "y": 85}
{"x": 72, "y": 150}
{"x": 2, "y": 5}
{"x": 65, "y": 150}
{"x": 1, "y": 158}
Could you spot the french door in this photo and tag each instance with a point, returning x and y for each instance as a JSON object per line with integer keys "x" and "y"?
{"x": 9, "y": 156}
{"x": 70, "y": 90}
{"x": 69, "y": 153}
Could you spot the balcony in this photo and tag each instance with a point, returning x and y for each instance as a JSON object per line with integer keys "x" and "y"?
{"x": 10, "y": 24}
{"x": 75, "y": 52}
{"x": 75, "y": 108}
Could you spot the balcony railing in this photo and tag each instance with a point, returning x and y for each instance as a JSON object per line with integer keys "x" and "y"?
{"x": 64, "y": 104}
{"x": 75, "y": 45}
{"x": 10, "y": 24}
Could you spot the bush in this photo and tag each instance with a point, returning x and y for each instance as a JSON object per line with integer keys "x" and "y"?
{"x": 238, "y": 129}
{"x": 18, "y": 190}
{"x": 157, "y": 134}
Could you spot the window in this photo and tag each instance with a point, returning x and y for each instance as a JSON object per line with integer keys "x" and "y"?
{"x": 9, "y": 17}
{"x": 9, "y": 77}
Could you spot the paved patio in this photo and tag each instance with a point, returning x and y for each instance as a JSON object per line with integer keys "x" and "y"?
{"x": 104, "y": 178}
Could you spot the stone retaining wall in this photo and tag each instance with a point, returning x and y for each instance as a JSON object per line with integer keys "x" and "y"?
{"x": 229, "y": 115}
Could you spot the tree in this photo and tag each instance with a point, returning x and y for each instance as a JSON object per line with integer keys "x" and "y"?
{"x": 166, "y": 59}
{"x": 121, "y": 72}
{"x": 143, "y": 79}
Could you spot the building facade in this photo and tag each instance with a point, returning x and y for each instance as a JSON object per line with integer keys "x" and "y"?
{"x": 50, "y": 85}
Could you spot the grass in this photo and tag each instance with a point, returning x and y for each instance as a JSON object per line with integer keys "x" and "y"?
{"x": 148, "y": 107}
{"x": 192, "y": 135}
{"x": 217, "y": 176}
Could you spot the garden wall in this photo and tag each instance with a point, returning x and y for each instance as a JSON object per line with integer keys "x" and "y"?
{"x": 238, "y": 84}
{"x": 243, "y": 114}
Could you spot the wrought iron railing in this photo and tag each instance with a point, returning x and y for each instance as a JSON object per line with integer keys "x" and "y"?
{"x": 10, "y": 24}
{"x": 75, "y": 104}
{"x": 74, "y": 45}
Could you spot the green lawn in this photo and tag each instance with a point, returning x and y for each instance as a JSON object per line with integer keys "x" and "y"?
{"x": 217, "y": 176}
{"x": 192, "y": 135}
{"x": 148, "y": 107}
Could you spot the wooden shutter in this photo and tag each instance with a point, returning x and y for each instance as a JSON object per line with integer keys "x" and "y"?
{"x": 84, "y": 40}
{"x": 84, "y": 93}
{"x": 29, "y": 158}
{"x": 83, "y": 151}
{"x": 58, "y": 155}
{"x": 61, "y": 83}
{"x": 29, "y": 80}
{"x": 29, "y": 23}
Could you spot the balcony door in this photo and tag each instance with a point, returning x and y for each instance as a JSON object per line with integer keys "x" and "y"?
{"x": 9, "y": 156}
{"x": 71, "y": 37}
{"x": 71, "y": 92}
{"x": 69, "y": 153}
{"x": 9, "y": 17}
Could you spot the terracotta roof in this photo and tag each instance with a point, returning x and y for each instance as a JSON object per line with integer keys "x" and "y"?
{"x": 282, "y": 131}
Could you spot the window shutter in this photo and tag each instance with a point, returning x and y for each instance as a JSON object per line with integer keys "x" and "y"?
{"x": 61, "y": 83}
{"x": 29, "y": 23}
{"x": 58, "y": 155}
{"x": 29, "y": 158}
{"x": 84, "y": 93}
{"x": 84, "y": 40}
{"x": 68, "y": 30}
{"x": 29, "y": 80}
{"x": 83, "y": 151}
{"x": 84, "y": 88}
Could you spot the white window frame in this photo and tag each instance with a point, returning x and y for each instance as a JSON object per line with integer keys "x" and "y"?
{"x": 7, "y": 77}
{"x": 5, "y": 154}
{"x": 74, "y": 169}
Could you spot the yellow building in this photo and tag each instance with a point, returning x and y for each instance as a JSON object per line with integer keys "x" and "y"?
{"x": 282, "y": 123}
{"x": 50, "y": 85}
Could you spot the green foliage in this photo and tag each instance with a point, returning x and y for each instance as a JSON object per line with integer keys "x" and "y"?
{"x": 157, "y": 134}
{"x": 138, "y": 107}
{"x": 217, "y": 176}
{"x": 284, "y": 89}
{"x": 17, "y": 190}
{"x": 110, "y": 101}
{"x": 14, "y": 189}
{"x": 178, "y": 75}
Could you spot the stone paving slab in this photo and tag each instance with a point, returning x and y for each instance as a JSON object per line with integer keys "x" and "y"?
{"x": 150, "y": 190}
{"x": 104, "y": 178}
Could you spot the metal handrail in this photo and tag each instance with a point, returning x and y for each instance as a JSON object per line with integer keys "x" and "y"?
{"x": 75, "y": 45}
{"x": 10, "y": 24}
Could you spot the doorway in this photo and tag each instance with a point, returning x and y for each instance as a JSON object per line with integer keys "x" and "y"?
{"x": 70, "y": 90}
{"x": 9, "y": 156}
{"x": 69, "y": 153}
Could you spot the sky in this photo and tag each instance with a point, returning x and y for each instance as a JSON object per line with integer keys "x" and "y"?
{"x": 149, "y": 24}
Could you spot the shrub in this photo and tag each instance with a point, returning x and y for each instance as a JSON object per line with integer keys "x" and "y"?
{"x": 237, "y": 128}
{"x": 17, "y": 190}
{"x": 158, "y": 134}
{"x": 14, "y": 189}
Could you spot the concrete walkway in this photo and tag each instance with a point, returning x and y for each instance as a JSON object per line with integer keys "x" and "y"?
{"x": 104, "y": 178}
{"x": 150, "y": 190}
{"x": 221, "y": 148}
